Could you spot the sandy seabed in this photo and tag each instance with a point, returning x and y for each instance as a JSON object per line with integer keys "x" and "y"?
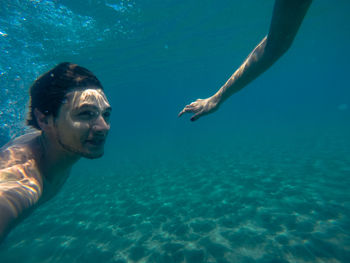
{"x": 281, "y": 203}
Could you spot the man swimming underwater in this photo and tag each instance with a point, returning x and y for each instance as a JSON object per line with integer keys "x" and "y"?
{"x": 70, "y": 113}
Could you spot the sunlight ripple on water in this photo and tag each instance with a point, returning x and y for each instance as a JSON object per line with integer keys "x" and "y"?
{"x": 32, "y": 35}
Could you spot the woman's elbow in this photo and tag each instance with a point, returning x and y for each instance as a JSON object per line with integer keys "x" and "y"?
{"x": 278, "y": 48}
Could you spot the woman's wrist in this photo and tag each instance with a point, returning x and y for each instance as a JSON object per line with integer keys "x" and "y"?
{"x": 216, "y": 99}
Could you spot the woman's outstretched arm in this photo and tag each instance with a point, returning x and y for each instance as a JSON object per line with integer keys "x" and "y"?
{"x": 286, "y": 20}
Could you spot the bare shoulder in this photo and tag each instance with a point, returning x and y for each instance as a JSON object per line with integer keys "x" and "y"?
{"x": 18, "y": 151}
{"x": 19, "y": 165}
{"x": 21, "y": 140}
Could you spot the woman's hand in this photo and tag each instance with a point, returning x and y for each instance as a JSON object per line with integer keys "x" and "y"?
{"x": 201, "y": 107}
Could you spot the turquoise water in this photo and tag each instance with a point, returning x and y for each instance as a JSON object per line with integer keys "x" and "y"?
{"x": 264, "y": 179}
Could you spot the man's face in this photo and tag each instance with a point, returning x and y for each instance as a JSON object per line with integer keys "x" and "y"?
{"x": 83, "y": 122}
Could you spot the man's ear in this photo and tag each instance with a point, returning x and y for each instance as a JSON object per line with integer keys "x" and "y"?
{"x": 44, "y": 121}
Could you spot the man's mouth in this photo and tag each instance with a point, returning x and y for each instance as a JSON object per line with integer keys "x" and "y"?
{"x": 96, "y": 141}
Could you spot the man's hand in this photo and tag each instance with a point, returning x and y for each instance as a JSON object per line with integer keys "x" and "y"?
{"x": 201, "y": 107}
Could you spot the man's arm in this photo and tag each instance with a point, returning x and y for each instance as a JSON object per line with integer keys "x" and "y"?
{"x": 7, "y": 216}
{"x": 286, "y": 20}
{"x": 18, "y": 194}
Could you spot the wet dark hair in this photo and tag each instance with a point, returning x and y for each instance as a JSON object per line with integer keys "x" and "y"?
{"x": 49, "y": 90}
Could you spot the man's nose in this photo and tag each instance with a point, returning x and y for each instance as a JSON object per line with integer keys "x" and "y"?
{"x": 101, "y": 124}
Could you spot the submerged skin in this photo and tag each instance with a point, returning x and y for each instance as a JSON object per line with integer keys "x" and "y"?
{"x": 286, "y": 20}
{"x": 34, "y": 167}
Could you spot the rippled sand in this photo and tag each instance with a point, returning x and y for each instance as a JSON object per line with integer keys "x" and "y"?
{"x": 263, "y": 203}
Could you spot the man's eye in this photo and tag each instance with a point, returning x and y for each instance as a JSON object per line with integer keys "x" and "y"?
{"x": 107, "y": 114}
{"x": 87, "y": 114}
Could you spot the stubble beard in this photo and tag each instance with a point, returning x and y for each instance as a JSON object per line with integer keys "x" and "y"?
{"x": 75, "y": 151}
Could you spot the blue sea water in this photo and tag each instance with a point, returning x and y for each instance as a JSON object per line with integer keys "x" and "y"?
{"x": 265, "y": 179}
